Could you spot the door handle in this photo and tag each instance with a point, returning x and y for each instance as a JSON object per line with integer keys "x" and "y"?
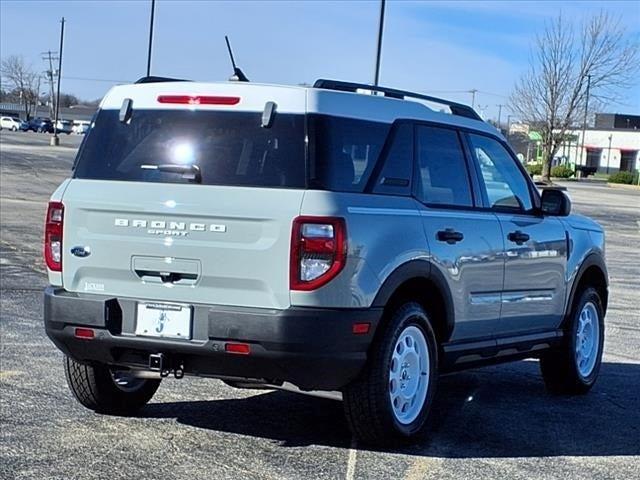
{"x": 518, "y": 237}
{"x": 450, "y": 236}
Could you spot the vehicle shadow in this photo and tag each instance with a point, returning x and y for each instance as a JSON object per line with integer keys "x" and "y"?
{"x": 501, "y": 411}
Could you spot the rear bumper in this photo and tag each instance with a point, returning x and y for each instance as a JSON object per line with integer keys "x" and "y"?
{"x": 312, "y": 348}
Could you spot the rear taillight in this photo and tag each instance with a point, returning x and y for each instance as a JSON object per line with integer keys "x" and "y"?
{"x": 318, "y": 251}
{"x": 53, "y": 236}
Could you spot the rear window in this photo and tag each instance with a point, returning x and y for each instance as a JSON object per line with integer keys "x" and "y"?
{"x": 230, "y": 148}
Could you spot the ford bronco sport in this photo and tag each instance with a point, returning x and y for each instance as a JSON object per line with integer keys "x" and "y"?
{"x": 340, "y": 237}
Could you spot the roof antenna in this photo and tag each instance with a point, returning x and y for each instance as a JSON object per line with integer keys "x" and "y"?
{"x": 238, "y": 75}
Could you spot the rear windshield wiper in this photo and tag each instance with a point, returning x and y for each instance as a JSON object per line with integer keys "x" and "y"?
{"x": 189, "y": 172}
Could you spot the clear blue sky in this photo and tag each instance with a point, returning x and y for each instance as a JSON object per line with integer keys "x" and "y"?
{"x": 443, "y": 48}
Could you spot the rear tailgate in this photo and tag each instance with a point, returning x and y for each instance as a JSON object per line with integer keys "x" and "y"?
{"x": 185, "y": 194}
{"x": 180, "y": 242}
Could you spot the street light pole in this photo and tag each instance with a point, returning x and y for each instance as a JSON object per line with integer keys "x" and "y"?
{"x": 609, "y": 153}
{"x": 56, "y": 140}
{"x": 153, "y": 9}
{"x": 473, "y": 92}
{"x": 379, "y": 49}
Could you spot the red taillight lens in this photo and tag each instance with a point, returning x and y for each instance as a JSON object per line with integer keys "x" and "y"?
{"x": 53, "y": 236}
{"x": 318, "y": 251}
{"x": 198, "y": 99}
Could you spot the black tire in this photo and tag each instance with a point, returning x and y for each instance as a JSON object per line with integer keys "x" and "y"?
{"x": 94, "y": 387}
{"x": 367, "y": 402}
{"x": 560, "y": 367}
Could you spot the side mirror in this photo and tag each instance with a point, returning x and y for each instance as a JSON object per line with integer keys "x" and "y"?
{"x": 555, "y": 202}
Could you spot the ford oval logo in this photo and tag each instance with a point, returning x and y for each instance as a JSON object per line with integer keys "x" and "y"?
{"x": 81, "y": 251}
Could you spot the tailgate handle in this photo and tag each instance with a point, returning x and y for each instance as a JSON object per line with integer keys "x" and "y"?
{"x": 176, "y": 278}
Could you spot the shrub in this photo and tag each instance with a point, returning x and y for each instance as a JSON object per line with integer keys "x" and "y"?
{"x": 562, "y": 171}
{"x": 534, "y": 168}
{"x": 623, "y": 177}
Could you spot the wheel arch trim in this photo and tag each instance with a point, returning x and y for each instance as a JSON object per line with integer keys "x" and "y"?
{"x": 421, "y": 270}
{"x": 593, "y": 259}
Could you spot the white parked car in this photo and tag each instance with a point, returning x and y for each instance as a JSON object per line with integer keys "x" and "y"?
{"x": 80, "y": 127}
{"x": 10, "y": 123}
{"x": 64, "y": 126}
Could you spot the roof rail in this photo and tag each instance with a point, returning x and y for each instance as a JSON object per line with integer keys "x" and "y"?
{"x": 153, "y": 79}
{"x": 456, "y": 108}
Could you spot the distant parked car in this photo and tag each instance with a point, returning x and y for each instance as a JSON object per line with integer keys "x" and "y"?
{"x": 80, "y": 127}
{"x": 64, "y": 126}
{"x": 10, "y": 123}
{"x": 40, "y": 125}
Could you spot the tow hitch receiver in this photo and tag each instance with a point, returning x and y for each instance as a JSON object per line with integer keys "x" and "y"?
{"x": 159, "y": 363}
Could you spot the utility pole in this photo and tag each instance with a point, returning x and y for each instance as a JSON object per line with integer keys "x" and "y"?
{"x": 379, "y": 49}
{"x": 473, "y": 92}
{"x": 584, "y": 123}
{"x": 56, "y": 140}
{"x": 499, "y": 115}
{"x": 153, "y": 9}
{"x": 51, "y": 57}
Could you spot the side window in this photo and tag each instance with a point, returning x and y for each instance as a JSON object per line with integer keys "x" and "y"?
{"x": 344, "y": 151}
{"x": 505, "y": 184}
{"x": 395, "y": 176}
{"x": 442, "y": 171}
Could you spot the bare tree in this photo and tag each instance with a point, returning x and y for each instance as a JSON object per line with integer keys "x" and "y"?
{"x": 553, "y": 92}
{"x": 24, "y": 81}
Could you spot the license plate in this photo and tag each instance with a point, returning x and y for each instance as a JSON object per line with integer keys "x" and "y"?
{"x": 164, "y": 320}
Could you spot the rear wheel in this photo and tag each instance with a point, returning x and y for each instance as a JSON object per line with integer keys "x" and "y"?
{"x": 105, "y": 390}
{"x": 391, "y": 399}
{"x": 573, "y": 367}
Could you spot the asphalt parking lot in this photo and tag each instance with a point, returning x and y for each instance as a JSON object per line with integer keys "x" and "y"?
{"x": 496, "y": 422}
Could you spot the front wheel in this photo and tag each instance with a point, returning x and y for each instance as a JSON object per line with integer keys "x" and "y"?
{"x": 391, "y": 399}
{"x": 573, "y": 367}
{"x": 105, "y": 390}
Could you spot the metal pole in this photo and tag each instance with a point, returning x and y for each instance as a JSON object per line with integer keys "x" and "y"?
{"x": 609, "y": 153}
{"x": 499, "y": 115}
{"x": 379, "y": 50}
{"x": 473, "y": 97}
{"x": 55, "y": 140}
{"x": 153, "y": 9}
{"x": 584, "y": 123}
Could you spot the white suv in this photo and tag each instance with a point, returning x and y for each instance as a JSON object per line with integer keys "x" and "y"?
{"x": 10, "y": 123}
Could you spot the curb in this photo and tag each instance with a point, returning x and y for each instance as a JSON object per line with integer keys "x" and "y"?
{"x": 624, "y": 186}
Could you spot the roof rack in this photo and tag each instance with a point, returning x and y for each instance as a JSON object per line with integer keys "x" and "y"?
{"x": 153, "y": 79}
{"x": 456, "y": 108}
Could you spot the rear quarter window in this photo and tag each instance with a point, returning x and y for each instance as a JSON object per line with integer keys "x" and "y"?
{"x": 344, "y": 151}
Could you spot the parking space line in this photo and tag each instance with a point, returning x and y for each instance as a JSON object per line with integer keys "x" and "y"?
{"x": 351, "y": 461}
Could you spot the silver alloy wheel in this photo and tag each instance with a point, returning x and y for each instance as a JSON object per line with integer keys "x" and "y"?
{"x": 587, "y": 339}
{"x": 409, "y": 375}
{"x": 125, "y": 381}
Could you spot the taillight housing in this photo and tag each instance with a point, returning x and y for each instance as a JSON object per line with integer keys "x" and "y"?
{"x": 53, "y": 236}
{"x": 318, "y": 251}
